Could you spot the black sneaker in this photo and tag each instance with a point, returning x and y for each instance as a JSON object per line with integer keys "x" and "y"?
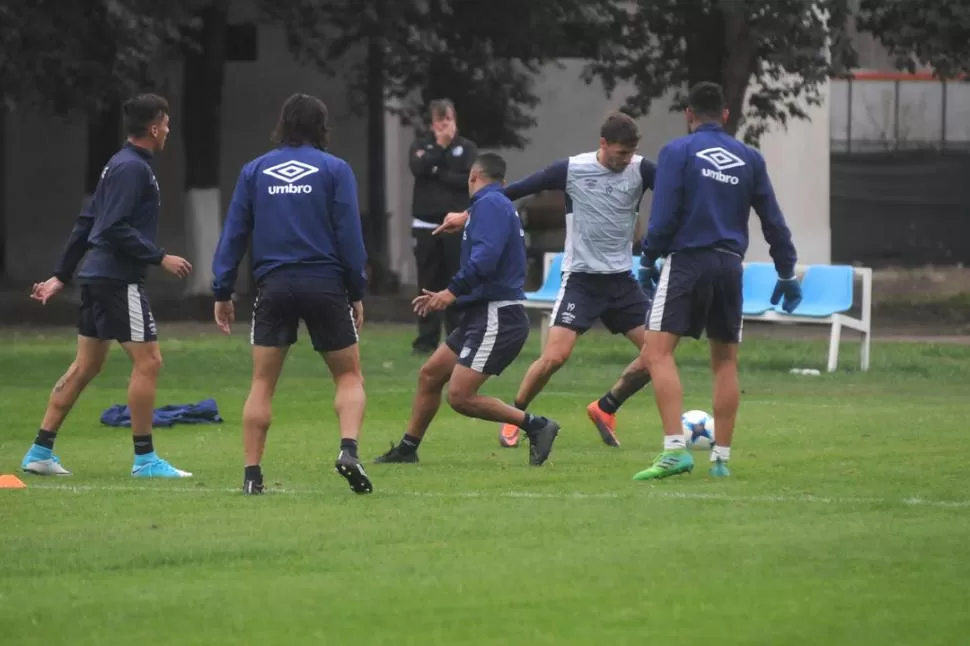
{"x": 353, "y": 471}
{"x": 540, "y": 442}
{"x": 397, "y": 455}
{"x": 253, "y": 487}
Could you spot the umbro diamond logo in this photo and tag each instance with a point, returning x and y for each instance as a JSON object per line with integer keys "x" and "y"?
{"x": 721, "y": 160}
{"x": 291, "y": 171}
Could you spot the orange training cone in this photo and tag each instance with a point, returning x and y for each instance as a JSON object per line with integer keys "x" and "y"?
{"x": 11, "y": 482}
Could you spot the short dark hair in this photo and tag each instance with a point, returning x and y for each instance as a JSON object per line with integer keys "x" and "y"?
{"x": 620, "y": 129}
{"x": 303, "y": 120}
{"x": 142, "y": 111}
{"x": 439, "y": 108}
{"x": 492, "y": 166}
{"x": 706, "y": 99}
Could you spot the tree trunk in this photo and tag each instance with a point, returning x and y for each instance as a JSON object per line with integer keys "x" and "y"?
{"x": 376, "y": 224}
{"x": 201, "y": 123}
{"x": 3, "y": 190}
{"x": 104, "y": 139}
{"x": 739, "y": 65}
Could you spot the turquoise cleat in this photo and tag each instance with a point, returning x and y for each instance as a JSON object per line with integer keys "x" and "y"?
{"x": 668, "y": 463}
{"x": 719, "y": 468}
{"x": 41, "y": 461}
{"x": 152, "y": 466}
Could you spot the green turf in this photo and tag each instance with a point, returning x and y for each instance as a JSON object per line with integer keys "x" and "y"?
{"x": 844, "y": 523}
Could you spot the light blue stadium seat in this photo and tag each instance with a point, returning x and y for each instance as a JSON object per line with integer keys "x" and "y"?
{"x": 758, "y": 281}
{"x": 826, "y": 290}
{"x": 550, "y": 286}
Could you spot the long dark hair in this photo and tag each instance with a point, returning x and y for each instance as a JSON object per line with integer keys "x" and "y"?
{"x": 303, "y": 120}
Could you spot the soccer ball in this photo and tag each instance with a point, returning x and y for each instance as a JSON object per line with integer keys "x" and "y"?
{"x": 698, "y": 429}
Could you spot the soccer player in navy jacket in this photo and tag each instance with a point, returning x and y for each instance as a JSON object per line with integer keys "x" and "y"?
{"x": 298, "y": 205}
{"x": 493, "y": 325}
{"x": 707, "y": 183}
{"x": 116, "y": 232}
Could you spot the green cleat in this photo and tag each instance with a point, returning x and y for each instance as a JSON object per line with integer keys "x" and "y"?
{"x": 668, "y": 463}
{"x": 719, "y": 468}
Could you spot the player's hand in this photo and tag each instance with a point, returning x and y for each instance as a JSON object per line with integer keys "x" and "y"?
{"x": 789, "y": 292}
{"x": 225, "y": 314}
{"x": 46, "y": 290}
{"x": 358, "y": 310}
{"x": 445, "y": 135}
{"x": 432, "y": 302}
{"x": 176, "y": 265}
{"x": 648, "y": 274}
{"x": 453, "y": 222}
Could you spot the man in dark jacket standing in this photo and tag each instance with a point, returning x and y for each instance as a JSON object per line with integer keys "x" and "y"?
{"x": 440, "y": 161}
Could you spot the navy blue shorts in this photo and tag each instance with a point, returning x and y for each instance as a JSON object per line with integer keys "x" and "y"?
{"x": 282, "y": 302}
{"x": 615, "y": 299}
{"x": 489, "y": 336}
{"x": 115, "y": 311}
{"x": 699, "y": 291}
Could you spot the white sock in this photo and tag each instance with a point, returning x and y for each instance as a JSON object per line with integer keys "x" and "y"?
{"x": 722, "y": 453}
{"x": 673, "y": 442}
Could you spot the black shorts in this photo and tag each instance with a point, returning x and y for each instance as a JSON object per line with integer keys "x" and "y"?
{"x": 114, "y": 311}
{"x": 615, "y": 299}
{"x": 699, "y": 291}
{"x": 282, "y": 302}
{"x": 490, "y": 336}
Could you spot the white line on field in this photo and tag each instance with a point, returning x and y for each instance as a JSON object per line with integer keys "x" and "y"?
{"x": 650, "y": 492}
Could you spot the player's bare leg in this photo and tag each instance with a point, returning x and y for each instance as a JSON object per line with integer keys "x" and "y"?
{"x": 434, "y": 374}
{"x": 559, "y": 347}
{"x": 463, "y": 396}
{"x": 727, "y": 399}
{"x": 258, "y": 412}
{"x": 658, "y": 355}
{"x": 349, "y": 403}
{"x": 633, "y": 379}
{"x": 146, "y": 364}
{"x": 87, "y": 364}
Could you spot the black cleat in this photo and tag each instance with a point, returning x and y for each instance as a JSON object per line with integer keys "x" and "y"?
{"x": 353, "y": 471}
{"x": 253, "y": 487}
{"x": 397, "y": 455}
{"x": 540, "y": 442}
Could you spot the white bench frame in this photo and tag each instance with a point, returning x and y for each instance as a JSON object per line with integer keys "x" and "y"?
{"x": 835, "y": 321}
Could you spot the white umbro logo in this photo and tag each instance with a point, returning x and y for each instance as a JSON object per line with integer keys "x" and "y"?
{"x": 720, "y": 158}
{"x": 291, "y": 171}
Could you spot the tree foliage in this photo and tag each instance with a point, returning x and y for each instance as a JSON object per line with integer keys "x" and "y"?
{"x": 482, "y": 55}
{"x": 774, "y": 53}
{"x": 62, "y": 57}
{"x": 936, "y": 34}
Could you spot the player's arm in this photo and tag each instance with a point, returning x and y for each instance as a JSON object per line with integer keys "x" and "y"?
{"x": 550, "y": 178}
{"x": 77, "y": 245}
{"x": 234, "y": 239}
{"x": 667, "y": 204}
{"x": 424, "y": 162}
{"x": 487, "y": 233}
{"x": 459, "y": 178}
{"x": 648, "y": 173}
{"x": 350, "y": 235}
{"x": 773, "y": 224}
{"x": 123, "y": 186}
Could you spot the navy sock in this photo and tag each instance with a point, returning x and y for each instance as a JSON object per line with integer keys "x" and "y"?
{"x": 520, "y": 406}
{"x": 409, "y": 443}
{"x": 254, "y": 472}
{"x": 532, "y": 423}
{"x": 45, "y": 438}
{"x": 350, "y": 446}
{"x": 608, "y": 404}
{"x": 143, "y": 444}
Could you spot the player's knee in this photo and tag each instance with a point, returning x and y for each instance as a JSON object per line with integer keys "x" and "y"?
{"x": 149, "y": 365}
{"x": 553, "y": 360}
{"x": 429, "y": 379}
{"x": 460, "y": 400}
{"x": 82, "y": 373}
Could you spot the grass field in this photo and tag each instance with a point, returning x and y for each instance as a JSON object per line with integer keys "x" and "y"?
{"x": 845, "y": 521}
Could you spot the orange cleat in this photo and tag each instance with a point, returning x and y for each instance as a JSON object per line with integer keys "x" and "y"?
{"x": 508, "y": 436}
{"x": 605, "y": 423}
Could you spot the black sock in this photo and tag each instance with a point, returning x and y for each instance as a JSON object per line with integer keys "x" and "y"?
{"x": 350, "y": 446}
{"x": 45, "y": 438}
{"x": 254, "y": 472}
{"x": 520, "y": 406}
{"x": 409, "y": 444}
{"x": 532, "y": 423}
{"x": 143, "y": 444}
{"x": 609, "y": 404}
